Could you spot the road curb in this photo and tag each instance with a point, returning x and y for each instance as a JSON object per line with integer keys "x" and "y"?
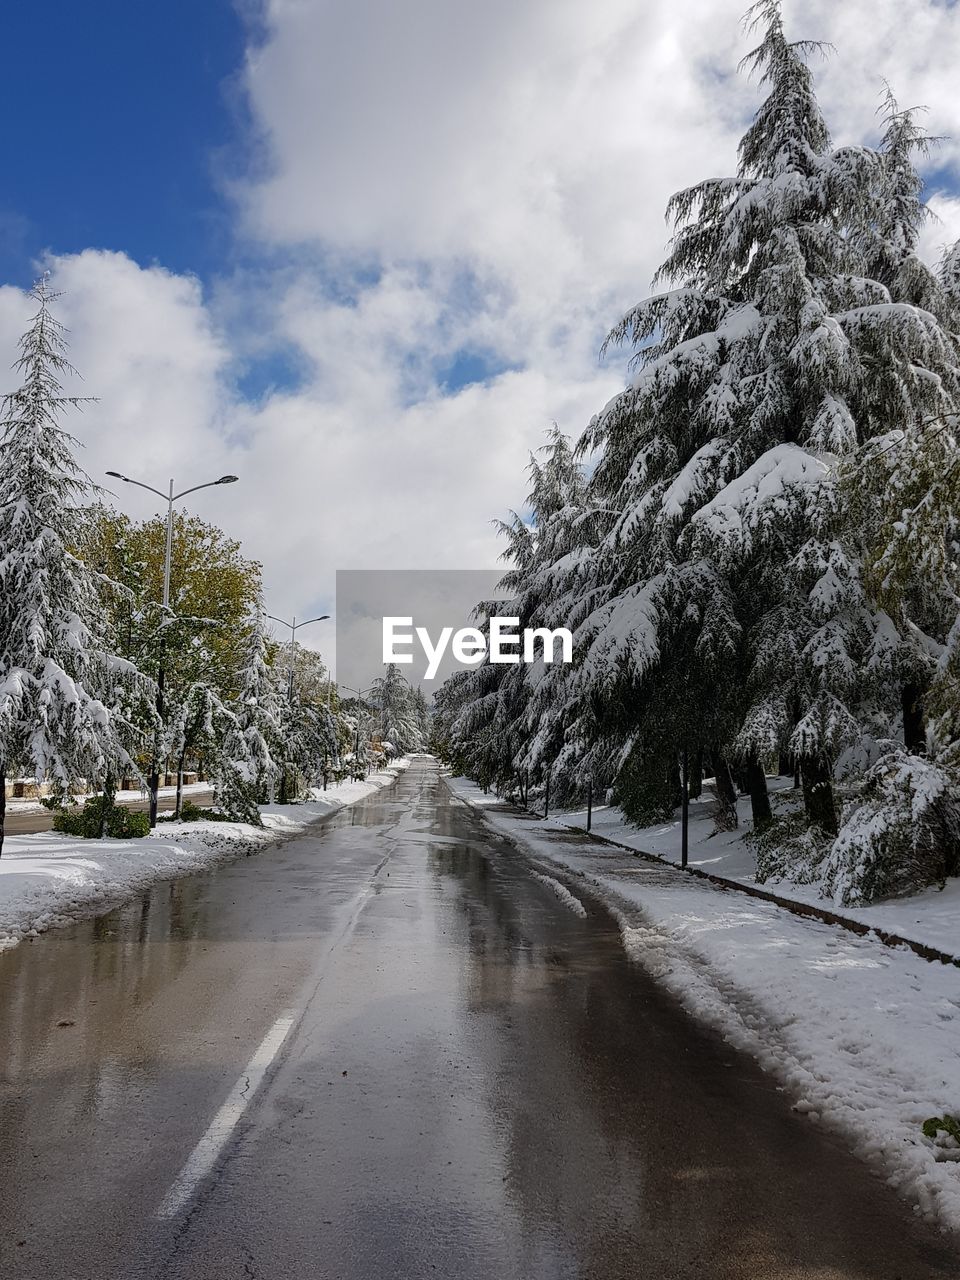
{"x": 823, "y": 914}
{"x": 807, "y": 909}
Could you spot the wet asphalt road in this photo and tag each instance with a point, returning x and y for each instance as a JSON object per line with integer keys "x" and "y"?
{"x": 460, "y": 1078}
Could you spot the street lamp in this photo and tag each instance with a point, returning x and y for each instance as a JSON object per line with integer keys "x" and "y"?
{"x": 169, "y": 498}
{"x": 294, "y": 628}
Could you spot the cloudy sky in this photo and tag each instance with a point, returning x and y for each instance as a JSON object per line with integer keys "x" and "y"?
{"x": 363, "y": 252}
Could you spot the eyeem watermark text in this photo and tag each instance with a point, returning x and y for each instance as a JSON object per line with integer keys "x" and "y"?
{"x": 470, "y": 646}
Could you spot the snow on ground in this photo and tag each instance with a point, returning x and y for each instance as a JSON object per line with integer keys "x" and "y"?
{"x": 563, "y": 893}
{"x": 48, "y": 879}
{"x": 864, "y": 1038}
{"x": 931, "y": 917}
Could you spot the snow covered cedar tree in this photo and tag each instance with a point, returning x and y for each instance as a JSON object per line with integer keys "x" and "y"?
{"x": 67, "y": 702}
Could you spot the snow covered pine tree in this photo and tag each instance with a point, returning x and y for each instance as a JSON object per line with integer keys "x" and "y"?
{"x": 69, "y": 707}
{"x": 259, "y": 711}
{"x": 398, "y": 718}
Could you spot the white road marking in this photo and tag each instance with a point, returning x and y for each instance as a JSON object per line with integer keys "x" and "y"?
{"x": 205, "y": 1154}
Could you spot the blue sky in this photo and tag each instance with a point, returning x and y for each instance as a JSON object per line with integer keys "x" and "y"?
{"x": 118, "y": 117}
{"x": 136, "y": 123}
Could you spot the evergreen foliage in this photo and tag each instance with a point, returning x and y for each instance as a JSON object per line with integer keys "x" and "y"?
{"x": 259, "y": 711}
{"x": 99, "y": 816}
{"x": 401, "y": 718}
{"x": 756, "y": 540}
{"x": 71, "y": 710}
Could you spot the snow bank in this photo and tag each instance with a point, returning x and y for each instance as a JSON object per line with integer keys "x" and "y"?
{"x": 931, "y": 917}
{"x": 47, "y": 880}
{"x": 863, "y": 1037}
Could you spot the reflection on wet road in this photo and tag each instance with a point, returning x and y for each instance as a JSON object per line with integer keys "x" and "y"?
{"x": 458, "y": 1077}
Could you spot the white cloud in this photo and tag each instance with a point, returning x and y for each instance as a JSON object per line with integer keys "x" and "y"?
{"x": 533, "y": 144}
{"x": 942, "y": 229}
{"x": 146, "y": 348}
{"x": 349, "y": 471}
{"x": 537, "y": 142}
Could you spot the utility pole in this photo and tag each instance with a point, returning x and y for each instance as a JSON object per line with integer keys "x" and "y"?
{"x": 295, "y": 626}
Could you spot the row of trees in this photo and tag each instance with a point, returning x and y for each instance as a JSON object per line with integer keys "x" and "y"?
{"x": 83, "y": 637}
{"x": 756, "y": 541}
{"x": 401, "y": 712}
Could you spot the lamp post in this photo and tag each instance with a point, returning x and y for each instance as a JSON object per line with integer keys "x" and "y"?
{"x": 294, "y": 626}
{"x": 169, "y": 498}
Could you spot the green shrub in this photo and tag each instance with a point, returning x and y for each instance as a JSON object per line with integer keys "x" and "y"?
{"x": 190, "y": 812}
{"x": 71, "y": 822}
{"x": 100, "y": 813}
{"x": 129, "y": 824}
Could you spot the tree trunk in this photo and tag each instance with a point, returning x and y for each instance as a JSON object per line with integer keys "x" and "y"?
{"x": 818, "y": 800}
{"x": 785, "y": 765}
{"x": 914, "y": 727}
{"x": 726, "y": 792}
{"x": 759, "y": 797}
{"x": 109, "y": 791}
{"x": 695, "y": 781}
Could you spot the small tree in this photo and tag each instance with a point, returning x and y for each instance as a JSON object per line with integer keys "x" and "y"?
{"x": 259, "y": 711}
{"x": 421, "y": 712}
{"x": 398, "y": 721}
{"x": 309, "y": 738}
{"x": 68, "y": 703}
{"x": 204, "y": 723}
